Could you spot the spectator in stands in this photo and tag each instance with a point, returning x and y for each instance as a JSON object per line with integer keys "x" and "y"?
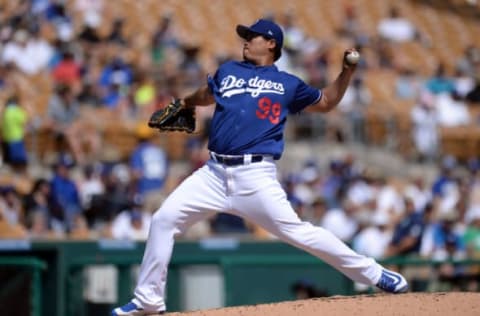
{"x": 418, "y": 191}
{"x": 389, "y": 201}
{"x": 12, "y": 208}
{"x": 90, "y": 184}
{"x": 333, "y": 184}
{"x": 132, "y": 223}
{"x": 445, "y": 242}
{"x": 317, "y": 212}
{"x": 374, "y": 239}
{"x": 89, "y": 96}
{"x": 425, "y": 128}
{"x": 116, "y": 98}
{"x": 14, "y": 119}
{"x": 64, "y": 118}
{"x": 89, "y": 36}
{"x": 65, "y": 193}
{"x": 144, "y": 95}
{"x": 408, "y": 84}
{"x": 39, "y": 7}
{"x": 315, "y": 65}
{"x": 351, "y": 26}
{"x": 41, "y": 50}
{"x": 38, "y": 228}
{"x": 58, "y": 49}
{"x": 445, "y": 179}
{"x": 9, "y": 229}
{"x": 293, "y": 35}
{"x": 352, "y": 107}
{"x": 91, "y": 12}
{"x": 468, "y": 62}
{"x": 463, "y": 83}
{"x": 63, "y": 108}
{"x": 80, "y": 230}
{"x": 67, "y": 71}
{"x": 117, "y": 72}
{"x": 41, "y": 209}
{"x": 440, "y": 82}
{"x": 360, "y": 189}
{"x": 397, "y": 28}
{"x": 164, "y": 40}
{"x": 385, "y": 53}
{"x": 451, "y": 110}
{"x": 115, "y": 198}
{"x": 290, "y": 183}
{"x": 474, "y": 94}
{"x": 301, "y": 208}
{"x": 20, "y": 52}
{"x": 407, "y": 236}
{"x": 56, "y": 13}
{"x": 37, "y": 200}
{"x": 341, "y": 220}
{"x": 351, "y": 168}
{"x": 294, "y": 41}
{"x": 149, "y": 166}
{"x": 191, "y": 70}
{"x": 116, "y": 35}
{"x": 306, "y": 183}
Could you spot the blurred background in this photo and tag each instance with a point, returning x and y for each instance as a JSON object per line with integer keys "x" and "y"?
{"x": 394, "y": 171}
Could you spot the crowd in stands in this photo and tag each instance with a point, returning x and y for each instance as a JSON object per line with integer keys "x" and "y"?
{"x": 97, "y": 80}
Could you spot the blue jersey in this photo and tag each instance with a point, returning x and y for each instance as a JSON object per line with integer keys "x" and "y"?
{"x": 252, "y": 107}
{"x": 412, "y": 226}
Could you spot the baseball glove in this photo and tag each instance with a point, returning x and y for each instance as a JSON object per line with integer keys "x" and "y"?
{"x": 173, "y": 118}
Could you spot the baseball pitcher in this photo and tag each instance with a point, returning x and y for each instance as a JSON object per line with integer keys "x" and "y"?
{"x": 252, "y": 102}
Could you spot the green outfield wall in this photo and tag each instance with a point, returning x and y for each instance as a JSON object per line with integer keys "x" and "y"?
{"x": 249, "y": 272}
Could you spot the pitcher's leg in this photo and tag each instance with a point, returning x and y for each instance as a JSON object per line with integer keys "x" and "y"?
{"x": 195, "y": 199}
{"x": 270, "y": 209}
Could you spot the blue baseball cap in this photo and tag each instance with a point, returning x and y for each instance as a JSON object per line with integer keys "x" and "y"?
{"x": 266, "y": 28}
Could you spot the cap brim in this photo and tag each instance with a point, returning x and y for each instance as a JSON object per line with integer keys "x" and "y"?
{"x": 243, "y": 31}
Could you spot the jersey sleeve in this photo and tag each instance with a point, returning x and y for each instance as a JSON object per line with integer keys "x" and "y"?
{"x": 212, "y": 81}
{"x": 305, "y": 95}
{"x": 214, "y": 85}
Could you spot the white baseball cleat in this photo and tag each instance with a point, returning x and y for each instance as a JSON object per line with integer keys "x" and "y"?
{"x": 392, "y": 282}
{"x": 131, "y": 309}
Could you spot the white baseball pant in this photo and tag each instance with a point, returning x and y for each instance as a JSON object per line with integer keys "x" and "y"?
{"x": 253, "y": 192}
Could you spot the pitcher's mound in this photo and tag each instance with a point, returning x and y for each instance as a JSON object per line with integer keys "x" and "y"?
{"x": 417, "y": 304}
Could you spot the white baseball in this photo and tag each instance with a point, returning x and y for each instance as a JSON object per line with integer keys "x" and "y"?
{"x": 353, "y": 57}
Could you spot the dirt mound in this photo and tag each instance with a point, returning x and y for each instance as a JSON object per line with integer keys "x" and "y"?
{"x": 445, "y": 304}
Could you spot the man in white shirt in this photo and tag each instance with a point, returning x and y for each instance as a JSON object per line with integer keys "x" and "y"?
{"x": 396, "y": 28}
{"x": 29, "y": 54}
{"x": 340, "y": 221}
